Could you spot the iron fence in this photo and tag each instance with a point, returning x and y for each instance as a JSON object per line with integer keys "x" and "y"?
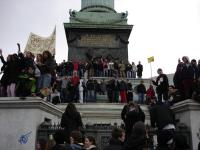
{"x": 101, "y": 133}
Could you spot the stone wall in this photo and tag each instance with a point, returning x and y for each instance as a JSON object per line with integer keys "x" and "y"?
{"x": 19, "y": 120}
{"x": 188, "y": 112}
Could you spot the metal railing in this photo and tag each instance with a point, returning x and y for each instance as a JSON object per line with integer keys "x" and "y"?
{"x": 102, "y": 133}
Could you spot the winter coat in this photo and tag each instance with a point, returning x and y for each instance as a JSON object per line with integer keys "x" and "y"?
{"x": 60, "y": 147}
{"x": 77, "y": 147}
{"x": 160, "y": 116}
{"x": 71, "y": 122}
{"x": 131, "y": 118}
{"x": 187, "y": 72}
{"x": 114, "y": 144}
{"x": 150, "y": 93}
{"x": 161, "y": 83}
{"x": 122, "y": 86}
{"x": 137, "y": 140}
{"x": 92, "y": 147}
{"x": 139, "y": 70}
{"x": 141, "y": 88}
{"x": 135, "y": 143}
{"x": 124, "y": 112}
{"x": 4, "y": 69}
{"x": 49, "y": 65}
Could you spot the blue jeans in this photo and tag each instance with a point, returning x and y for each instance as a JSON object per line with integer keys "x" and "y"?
{"x": 140, "y": 98}
{"x": 91, "y": 96}
{"x": 46, "y": 80}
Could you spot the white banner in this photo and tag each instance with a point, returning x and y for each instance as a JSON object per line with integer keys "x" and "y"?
{"x": 37, "y": 44}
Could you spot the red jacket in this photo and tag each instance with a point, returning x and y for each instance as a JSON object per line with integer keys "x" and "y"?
{"x": 150, "y": 92}
{"x": 75, "y": 80}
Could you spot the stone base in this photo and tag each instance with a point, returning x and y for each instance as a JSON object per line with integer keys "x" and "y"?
{"x": 188, "y": 112}
{"x": 94, "y": 113}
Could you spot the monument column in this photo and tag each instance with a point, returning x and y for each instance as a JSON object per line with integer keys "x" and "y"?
{"x": 97, "y": 30}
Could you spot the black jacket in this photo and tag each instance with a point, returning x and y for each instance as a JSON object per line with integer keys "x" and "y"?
{"x": 137, "y": 140}
{"x": 124, "y": 111}
{"x": 71, "y": 121}
{"x": 77, "y": 147}
{"x": 60, "y": 147}
{"x": 162, "y": 83}
{"x": 135, "y": 143}
{"x": 161, "y": 115}
{"x": 141, "y": 88}
{"x": 114, "y": 144}
{"x": 131, "y": 118}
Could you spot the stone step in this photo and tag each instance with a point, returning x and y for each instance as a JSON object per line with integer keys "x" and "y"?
{"x": 134, "y": 81}
{"x": 104, "y": 98}
{"x": 102, "y": 112}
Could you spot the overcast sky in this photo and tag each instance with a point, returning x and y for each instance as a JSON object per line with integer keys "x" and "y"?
{"x": 165, "y": 29}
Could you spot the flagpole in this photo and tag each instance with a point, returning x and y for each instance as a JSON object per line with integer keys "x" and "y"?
{"x": 151, "y": 70}
{"x": 150, "y": 59}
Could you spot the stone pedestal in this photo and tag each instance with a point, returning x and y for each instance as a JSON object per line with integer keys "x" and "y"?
{"x": 19, "y": 120}
{"x": 188, "y": 112}
{"x": 97, "y": 30}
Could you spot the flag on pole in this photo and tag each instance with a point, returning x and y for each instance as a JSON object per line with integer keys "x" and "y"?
{"x": 37, "y": 44}
{"x": 150, "y": 59}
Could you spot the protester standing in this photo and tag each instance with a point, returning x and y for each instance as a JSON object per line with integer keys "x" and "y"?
{"x": 139, "y": 70}
{"x": 162, "y": 86}
{"x": 71, "y": 120}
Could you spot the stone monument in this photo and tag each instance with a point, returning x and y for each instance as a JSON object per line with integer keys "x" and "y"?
{"x": 97, "y": 30}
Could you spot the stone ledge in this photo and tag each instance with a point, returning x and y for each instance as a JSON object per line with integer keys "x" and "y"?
{"x": 99, "y": 26}
{"x": 103, "y": 112}
{"x": 29, "y": 103}
{"x": 186, "y": 105}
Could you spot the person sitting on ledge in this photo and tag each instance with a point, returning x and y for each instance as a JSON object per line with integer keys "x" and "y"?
{"x": 26, "y": 86}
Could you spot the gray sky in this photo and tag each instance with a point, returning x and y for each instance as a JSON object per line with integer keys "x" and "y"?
{"x": 165, "y": 29}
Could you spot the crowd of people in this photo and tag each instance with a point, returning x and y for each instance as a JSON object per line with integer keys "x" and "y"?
{"x": 186, "y": 85}
{"x": 134, "y": 135}
{"x": 101, "y": 67}
{"x": 24, "y": 74}
{"x": 27, "y": 75}
{"x": 186, "y": 78}
{"x": 186, "y": 82}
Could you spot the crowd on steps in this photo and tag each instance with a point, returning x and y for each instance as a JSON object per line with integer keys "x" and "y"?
{"x": 26, "y": 74}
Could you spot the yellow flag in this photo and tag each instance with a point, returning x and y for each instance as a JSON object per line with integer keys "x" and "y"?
{"x": 150, "y": 59}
